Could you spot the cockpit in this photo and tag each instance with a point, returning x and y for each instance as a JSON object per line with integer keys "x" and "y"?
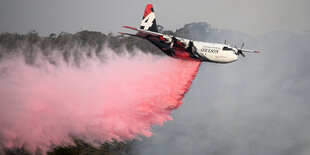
{"x": 225, "y": 48}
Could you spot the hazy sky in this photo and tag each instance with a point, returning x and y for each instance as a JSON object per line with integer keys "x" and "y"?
{"x": 54, "y": 16}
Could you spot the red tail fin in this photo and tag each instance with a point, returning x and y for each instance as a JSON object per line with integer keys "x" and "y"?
{"x": 148, "y": 20}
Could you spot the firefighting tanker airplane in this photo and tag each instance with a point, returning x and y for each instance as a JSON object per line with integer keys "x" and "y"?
{"x": 184, "y": 48}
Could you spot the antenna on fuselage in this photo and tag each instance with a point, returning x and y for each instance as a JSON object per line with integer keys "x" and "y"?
{"x": 225, "y": 42}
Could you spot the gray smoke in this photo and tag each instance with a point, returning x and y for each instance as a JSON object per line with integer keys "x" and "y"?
{"x": 258, "y": 105}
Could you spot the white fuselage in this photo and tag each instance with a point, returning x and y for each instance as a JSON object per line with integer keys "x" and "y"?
{"x": 214, "y": 52}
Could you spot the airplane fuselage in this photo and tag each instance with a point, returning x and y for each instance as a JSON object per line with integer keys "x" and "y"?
{"x": 204, "y": 51}
{"x": 214, "y": 52}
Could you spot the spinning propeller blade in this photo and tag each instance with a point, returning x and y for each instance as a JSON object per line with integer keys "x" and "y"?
{"x": 239, "y": 51}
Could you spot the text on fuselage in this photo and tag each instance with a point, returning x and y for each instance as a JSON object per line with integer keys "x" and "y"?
{"x": 209, "y": 50}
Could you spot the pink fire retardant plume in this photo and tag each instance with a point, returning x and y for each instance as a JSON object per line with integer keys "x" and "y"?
{"x": 98, "y": 102}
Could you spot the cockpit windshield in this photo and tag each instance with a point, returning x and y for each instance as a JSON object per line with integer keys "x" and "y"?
{"x": 225, "y": 48}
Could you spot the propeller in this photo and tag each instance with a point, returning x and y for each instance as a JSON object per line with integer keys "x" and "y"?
{"x": 239, "y": 51}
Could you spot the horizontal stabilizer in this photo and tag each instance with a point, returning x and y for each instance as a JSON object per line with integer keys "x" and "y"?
{"x": 123, "y": 33}
{"x": 128, "y": 27}
{"x": 144, "y": 31}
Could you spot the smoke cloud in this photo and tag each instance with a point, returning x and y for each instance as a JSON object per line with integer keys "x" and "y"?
{"x": 257, "y": 105}
{"x": 47, "y": 104}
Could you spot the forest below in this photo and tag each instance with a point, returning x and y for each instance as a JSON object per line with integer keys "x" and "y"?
{"x": 31, "y": 45}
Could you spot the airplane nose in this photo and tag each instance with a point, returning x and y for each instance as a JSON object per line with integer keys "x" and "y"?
{"x": 235, "y": 57}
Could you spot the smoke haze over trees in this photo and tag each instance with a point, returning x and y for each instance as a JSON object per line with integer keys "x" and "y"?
{"x": 257, "y": 105}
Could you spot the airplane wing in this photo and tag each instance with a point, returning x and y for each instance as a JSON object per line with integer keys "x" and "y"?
{"x": 145, "y": 32}
{"x": 250, "y": 51}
